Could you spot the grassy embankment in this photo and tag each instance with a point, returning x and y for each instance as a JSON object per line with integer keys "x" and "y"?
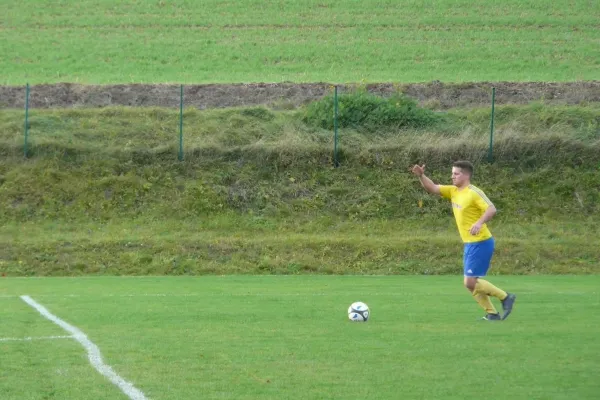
{"x": 104, "y": 193}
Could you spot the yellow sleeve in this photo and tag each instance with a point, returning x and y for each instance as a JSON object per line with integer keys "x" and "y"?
{"x": 481, "y": 200}
{"x": 446, "y": 191}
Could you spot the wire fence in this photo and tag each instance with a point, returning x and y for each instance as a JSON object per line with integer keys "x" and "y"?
{"x": 278, "y": 96}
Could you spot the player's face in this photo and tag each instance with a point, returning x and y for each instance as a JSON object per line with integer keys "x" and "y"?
{"x": 459, "y": 178}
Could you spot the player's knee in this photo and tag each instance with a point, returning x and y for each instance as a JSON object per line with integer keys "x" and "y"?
{"x": 470, "y": 283}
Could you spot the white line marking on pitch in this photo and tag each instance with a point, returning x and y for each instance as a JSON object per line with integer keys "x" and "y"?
{"x": 93, "y": 351}
{"x": 29, "y": 338}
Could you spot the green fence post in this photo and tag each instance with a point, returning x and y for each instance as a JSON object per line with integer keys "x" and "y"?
{"x": 491, "y": 148}
{"x": 25, "y": 149}
{"x": 180, "y": 156}
{"x": 335, "y": 127}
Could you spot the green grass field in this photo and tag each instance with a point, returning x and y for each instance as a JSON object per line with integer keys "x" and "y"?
{"x": 289, "y": 337}
{"x": 284, "y": 242}
{"x": 334, "y": 41}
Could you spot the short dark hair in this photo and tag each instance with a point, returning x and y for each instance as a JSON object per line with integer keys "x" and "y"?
{"x": 465, "y": 166}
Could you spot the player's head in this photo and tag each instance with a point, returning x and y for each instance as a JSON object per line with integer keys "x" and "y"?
{"x": 462, "y": 171}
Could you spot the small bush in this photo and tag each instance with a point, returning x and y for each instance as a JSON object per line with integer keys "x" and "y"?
{"x": 366, "y": 111}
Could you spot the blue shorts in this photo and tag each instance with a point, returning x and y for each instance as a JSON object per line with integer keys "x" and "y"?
{"x": 477, "y": 257}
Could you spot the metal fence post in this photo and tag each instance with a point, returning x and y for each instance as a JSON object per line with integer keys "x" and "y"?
{"x": 491, "y": 148}
{"x": 25, "y": 144}
{"x": 335, "y": 127}
{"x": 180, "y": 155}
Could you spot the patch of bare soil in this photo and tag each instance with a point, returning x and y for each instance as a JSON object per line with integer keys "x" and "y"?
{"x": 288, "y": 95}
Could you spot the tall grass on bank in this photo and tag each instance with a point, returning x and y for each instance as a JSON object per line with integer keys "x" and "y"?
{"x": 103, "y": 193}
{"x": 127, "y": 130}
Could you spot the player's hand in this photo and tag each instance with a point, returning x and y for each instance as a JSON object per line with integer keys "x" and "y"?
{"x": 418, "y": 170}
{"x": 475, "y": 228}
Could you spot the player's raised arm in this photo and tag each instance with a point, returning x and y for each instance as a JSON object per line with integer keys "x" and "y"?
{"x": 419, "y": 170}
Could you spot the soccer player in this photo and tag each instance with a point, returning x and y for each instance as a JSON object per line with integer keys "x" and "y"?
{"x": 472, "y": 209}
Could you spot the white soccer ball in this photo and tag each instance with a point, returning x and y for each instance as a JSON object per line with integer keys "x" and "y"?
{"x": 358, "y": 312}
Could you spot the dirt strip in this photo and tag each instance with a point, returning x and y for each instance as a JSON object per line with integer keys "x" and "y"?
{"x": 288, "y": 95}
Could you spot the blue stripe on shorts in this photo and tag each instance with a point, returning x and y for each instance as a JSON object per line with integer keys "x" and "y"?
{"x": 477, "y": 257}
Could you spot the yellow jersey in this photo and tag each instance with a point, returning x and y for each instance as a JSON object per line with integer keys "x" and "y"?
{"x": 468, "y": 205}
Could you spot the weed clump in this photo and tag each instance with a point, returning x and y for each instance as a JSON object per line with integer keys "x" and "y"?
{"x": 362, "y": 110}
